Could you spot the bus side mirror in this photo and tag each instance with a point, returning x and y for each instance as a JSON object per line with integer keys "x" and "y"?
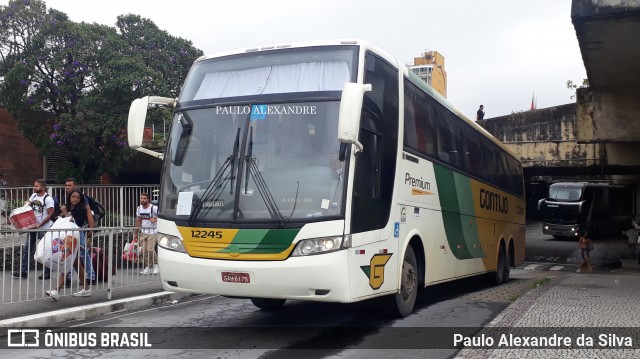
{"x": 350, "y": 111}
{"x": 580, "y": 206}
{"x": 137, "y": 117}
{"x": 135, "y": 123}
{"x": 540, "y": 203}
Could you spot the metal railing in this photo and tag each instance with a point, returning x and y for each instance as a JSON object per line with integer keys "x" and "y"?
{"x": 112, "y": 271}
{"x": 120, "y": 202}
{"x": 113, "y": 232}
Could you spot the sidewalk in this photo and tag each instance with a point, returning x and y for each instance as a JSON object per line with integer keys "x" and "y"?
{"x": 591, "y": 304}
{"x": 47, "y": 312}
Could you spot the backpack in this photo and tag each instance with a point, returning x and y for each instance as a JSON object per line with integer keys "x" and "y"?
{"x": 97, "y": 208}
{"x": 56, "y": 207}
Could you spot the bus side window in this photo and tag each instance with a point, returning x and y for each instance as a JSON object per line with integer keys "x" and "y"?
{"x": 368, "y": 164}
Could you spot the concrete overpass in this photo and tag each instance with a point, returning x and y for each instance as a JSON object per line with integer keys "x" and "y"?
{"x": 608, "y": 111}
{"x": 598, "y": 137}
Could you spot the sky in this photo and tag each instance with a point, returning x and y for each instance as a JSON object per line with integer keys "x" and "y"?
{"x": 499, "y": 53}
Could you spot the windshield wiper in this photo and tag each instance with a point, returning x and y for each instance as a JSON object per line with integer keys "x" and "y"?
{"x": 261, "y": 184}
{"x": 214, "y": 188}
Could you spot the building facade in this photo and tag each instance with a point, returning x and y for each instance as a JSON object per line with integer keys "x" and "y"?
{"x": 430, "y": 68}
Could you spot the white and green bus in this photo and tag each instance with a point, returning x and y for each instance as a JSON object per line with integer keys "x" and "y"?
{"x": 326, "y": 171}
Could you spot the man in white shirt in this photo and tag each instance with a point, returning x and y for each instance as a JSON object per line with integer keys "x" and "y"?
{"x": 145, "y": 233}
{"x": 42, "y": 204}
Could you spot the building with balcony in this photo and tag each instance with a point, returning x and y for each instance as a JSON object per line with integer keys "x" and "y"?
{"x": 430, "y": 68}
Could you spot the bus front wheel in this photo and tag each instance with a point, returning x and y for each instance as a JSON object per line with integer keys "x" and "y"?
{"x": 268, "y": 304}
{"x": 402, "y": 303}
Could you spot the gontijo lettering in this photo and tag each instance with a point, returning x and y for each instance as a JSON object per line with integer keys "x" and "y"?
{"x": 493, "y": 201}
{"x": 416, "y": 182}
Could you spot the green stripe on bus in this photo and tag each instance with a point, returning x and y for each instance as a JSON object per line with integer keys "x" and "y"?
{"x": 245, "y": 240}
{"x": 468, "y": 214}
{"x": 261, "y": 241}
{"x": 276, "y": 241}
{"x": 454, "y": 191}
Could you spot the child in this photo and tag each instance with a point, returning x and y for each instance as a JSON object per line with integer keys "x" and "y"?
{"x": 585, "y": 248}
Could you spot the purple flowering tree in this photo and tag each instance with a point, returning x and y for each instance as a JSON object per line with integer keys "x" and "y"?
{"x": 69, "y": 85}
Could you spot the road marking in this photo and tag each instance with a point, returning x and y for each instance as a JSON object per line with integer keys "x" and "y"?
{"x": 531, "y": 267}
{"x": 553, "y": 259}
{"x": 538, "y": 257}
{"x": 556, "y": 268}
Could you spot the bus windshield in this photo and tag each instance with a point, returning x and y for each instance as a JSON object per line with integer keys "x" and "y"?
{"x": 282, "y": 155}
{"x": 565, "y": 193}
{"x": 254, "y": 138}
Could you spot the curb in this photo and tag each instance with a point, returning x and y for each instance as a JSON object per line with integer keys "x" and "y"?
{"x": 53, "y": 318}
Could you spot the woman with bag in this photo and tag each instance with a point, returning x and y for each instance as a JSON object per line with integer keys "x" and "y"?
{"x": 78, "y": 212}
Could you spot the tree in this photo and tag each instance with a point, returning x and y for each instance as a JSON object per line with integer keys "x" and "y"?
{"x": 69, "y": 85}
{"x": 572, "y": 86}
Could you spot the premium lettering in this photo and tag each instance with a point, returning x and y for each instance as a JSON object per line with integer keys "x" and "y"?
{"x": 417, "y": 182}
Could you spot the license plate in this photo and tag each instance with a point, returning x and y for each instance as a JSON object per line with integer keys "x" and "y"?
{"x": 235, "y": 277}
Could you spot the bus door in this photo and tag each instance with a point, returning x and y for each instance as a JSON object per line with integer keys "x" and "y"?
{"x": 375, "y": 258}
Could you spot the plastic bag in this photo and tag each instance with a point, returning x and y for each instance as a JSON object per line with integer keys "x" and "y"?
{"x": 131, "y": 251}
{"x": 58, "y": 249}
{"x": 23, "y": 217}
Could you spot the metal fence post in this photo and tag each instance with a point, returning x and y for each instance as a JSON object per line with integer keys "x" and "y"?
{"x": 110, "y": 265}
{"x": 121, "y": 209}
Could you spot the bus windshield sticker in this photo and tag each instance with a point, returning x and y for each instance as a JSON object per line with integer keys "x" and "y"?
{"x": 184, "y": 203}
{"x": 187, "y": 177}
{"x": 259, "y": 112}
{"x": 324, "y": 204}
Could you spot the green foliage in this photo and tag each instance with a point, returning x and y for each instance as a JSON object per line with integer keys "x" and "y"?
{"x": 573, "y": 86}
{"x": 69, "y": 85}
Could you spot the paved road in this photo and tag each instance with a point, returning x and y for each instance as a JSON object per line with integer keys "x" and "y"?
{"x": 234, "y": 328}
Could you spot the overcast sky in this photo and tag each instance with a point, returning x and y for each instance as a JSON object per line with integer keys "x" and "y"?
{"x": 497, "y": 52}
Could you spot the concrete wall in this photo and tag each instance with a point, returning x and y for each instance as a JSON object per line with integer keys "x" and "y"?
{"x": 609, "y": 114}
{"x": 545, "y": 137}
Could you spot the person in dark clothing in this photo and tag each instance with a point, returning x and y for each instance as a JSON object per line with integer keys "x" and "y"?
{"x": 480, "y": 113}
{"x": 78, "y": 211}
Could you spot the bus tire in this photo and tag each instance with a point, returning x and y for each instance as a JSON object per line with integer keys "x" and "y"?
{"x": 507, "y": 268}
{"x": 402, "y": 303}
{"x": 499, "y": 275}
{"x": 268, "y": 304}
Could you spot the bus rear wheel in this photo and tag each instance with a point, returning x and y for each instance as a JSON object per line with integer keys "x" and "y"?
{"x": 268, "y": 304}
{"x": 503, "y": 269}
{"x": 402, "y": 303}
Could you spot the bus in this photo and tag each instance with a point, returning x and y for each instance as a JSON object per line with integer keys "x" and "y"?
{"x": 327, "y": 171}
{"x": 602, "y": 209}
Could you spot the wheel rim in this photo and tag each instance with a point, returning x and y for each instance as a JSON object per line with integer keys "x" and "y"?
{"x": 409, "y": 280}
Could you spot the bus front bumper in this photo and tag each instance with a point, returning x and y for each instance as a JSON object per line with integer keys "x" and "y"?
{"x": 323, "y": 277}
{"x": 560, "y": 230}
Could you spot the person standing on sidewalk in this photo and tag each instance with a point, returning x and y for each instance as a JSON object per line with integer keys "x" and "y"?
{"x": 76, "y": 209}
{"x": 84, "y": 254}
{"x": 145, "y": 233}
{"x": 585, "y": 249}
{"x": 42, "y": 204}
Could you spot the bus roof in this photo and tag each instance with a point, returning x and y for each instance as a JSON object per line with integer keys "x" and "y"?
{"x": 390, "y": 58}
{"x": 586, "y": 184}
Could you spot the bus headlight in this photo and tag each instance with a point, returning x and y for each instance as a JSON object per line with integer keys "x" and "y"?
{"x": 320, "y": 245}
{"x": 171, "y": 243}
